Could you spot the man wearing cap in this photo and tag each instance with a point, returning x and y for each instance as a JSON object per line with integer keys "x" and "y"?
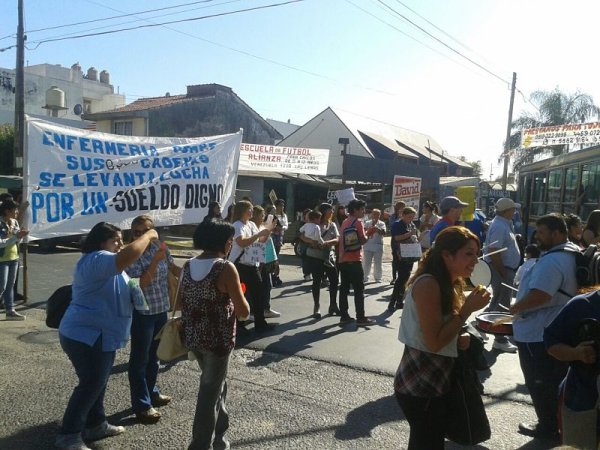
{"x": 451, "y": 209}
{"x": 503, "y": 265}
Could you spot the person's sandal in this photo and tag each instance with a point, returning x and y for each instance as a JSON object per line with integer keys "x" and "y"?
{"x": 148, "y": 417}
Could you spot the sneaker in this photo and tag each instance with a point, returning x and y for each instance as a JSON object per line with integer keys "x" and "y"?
{"x": 271, "y": 314}
{"x": 504, "y": 347}
{"x": 13, "y": 315}
{"x": 105, "y": 430}
{"x": 346, "y": 319}
{"x": 307, "y": 277}
{"x": 364, "y": 322}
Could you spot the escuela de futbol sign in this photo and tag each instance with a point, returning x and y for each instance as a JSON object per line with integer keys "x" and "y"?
{"x": 271, "y": 158}
{"x": 76, "y": 178}
{"x": 580, "y": 133}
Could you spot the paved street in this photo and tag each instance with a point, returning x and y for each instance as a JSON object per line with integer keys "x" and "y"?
{"x": 308, "y": 384}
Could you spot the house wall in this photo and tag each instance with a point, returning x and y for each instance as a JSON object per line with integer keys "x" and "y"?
{"x": 221, "y": 114}
{"x": 324, "y": 131}
{"x": 138, "y": 125}
{"x": 39, "y": 78}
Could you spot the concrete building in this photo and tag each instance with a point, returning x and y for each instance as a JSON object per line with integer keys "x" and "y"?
{"x": 69, "y": 91}
{"x": 204, "y": 110}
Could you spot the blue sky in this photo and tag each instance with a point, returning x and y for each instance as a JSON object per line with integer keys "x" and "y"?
{"x": 361, "y": 64}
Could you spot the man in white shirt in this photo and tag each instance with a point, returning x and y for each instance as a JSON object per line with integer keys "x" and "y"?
{"x": 373, "y": 249}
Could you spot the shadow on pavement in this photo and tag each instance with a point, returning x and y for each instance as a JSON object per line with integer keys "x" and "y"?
{"x": 361, "y": 421}
{"x": 32, "y": 438}
{"x": 293, "y": 344}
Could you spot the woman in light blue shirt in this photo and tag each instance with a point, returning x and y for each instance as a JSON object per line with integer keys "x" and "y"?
{"x": 95, "y": 325}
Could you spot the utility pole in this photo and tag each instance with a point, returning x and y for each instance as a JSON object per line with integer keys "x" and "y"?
{"x": 508, "y": 130}
{"x": 17, "y": 159}
{"x": 344, "y": 142}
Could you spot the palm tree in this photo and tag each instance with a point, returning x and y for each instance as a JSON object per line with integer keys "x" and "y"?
{"x": 553, "y": 108}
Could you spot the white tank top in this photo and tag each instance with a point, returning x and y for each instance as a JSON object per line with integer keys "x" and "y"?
{"x": 410, "y": 332}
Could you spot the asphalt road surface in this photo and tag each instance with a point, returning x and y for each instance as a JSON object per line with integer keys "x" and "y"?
{"x": 308, "y": 384}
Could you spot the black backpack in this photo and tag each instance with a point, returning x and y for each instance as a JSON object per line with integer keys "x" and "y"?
{"x": 587, "y": 265}
{"x": 57, "y": 305}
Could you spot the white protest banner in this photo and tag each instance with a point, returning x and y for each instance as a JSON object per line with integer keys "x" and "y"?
{"x": 270, "y": 158}
{"x": 407, "y": 190}
{"x": 578, "y": 133}
{"x": 344, "y": 196}
{"x": 76, "y": 178}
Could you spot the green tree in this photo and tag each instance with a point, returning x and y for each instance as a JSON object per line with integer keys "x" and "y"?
{"x": 476, "y": 165}
{"x": 7, "y": 139}
{"x": 552, "y": 108}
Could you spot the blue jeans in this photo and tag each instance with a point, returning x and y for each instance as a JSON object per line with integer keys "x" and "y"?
{"x": 92, "y": 366}
{"x": 211, "y": 420}
{"x": 143, "y": 362}
{"x": 543, "y": 375}
{"x": 8, "y": 275}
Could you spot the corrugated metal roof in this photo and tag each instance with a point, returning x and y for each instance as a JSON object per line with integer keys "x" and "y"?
{"x": 389, "y": 143}
{"x": 370, "y": 127}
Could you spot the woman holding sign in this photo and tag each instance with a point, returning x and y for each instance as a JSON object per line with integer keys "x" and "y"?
{"x": 151, "y": 269}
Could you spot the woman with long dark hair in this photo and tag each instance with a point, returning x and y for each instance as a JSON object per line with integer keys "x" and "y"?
{"x": 96, "y": 324}
{"x": 435, "y": 310}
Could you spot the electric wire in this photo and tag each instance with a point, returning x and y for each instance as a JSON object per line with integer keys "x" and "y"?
{"x": 138, "y": 19}
{"x": 485, "y": 69}
{"x": 152, "y": 25}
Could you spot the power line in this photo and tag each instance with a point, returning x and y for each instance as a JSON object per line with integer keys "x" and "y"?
{"x": 261, "y": 58}
{"x": 110, "y": 18}
{"x": 443, "y": 31}
{"x": 191, "y": 19}
{"x": 138, "y": 19}
{"x": 409, "y": 36}
{"x": 443, "y": 43}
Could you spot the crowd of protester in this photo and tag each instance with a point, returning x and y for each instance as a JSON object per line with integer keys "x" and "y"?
{"x": 556, "y": 324}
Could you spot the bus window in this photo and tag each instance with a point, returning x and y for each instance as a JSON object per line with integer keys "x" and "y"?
{"x": 590, "y": 189}
{"x": 537, "y": 199}
{"x": 554, "y": 187}
{"x": 571, "y": 189}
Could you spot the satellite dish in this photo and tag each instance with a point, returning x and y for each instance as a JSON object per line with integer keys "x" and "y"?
{"x": 77, "y": 109}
